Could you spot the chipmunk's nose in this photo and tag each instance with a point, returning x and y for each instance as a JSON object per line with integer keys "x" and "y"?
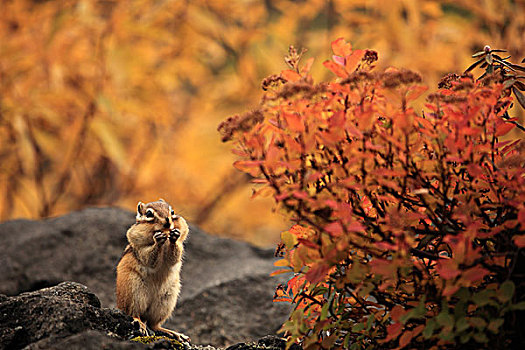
{"x": 167, "y": 224}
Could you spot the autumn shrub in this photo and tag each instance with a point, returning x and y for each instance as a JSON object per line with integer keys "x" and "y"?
{"x": 409, "y": 225}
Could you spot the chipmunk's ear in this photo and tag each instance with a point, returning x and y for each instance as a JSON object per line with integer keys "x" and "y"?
{"x": 140, "y": 209}
{"x": 162, "y": 200}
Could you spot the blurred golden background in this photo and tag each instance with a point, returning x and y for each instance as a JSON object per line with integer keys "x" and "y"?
{"x": 112, "y": 102}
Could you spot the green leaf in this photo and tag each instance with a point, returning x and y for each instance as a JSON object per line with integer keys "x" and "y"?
{"x": 324, "y": 311}
{"x": 463, "y": 294}
{"x": 445, "y": 319}
{"x": 369, "y": 322}
{"x": 288, "y": 239}
{"x": 518, "y": 306}
{"x": 478, "y": 322}
{"x": 416, "y": 312}
{"x": 481, "y": 298}
{"x": 495, "y": 324}
{"x": 358, "y": 327}
{"x": 506, "y": 291}
{"x": 480, "y": 338}
{"x": 446, "y": 335}
{"x": 462, "y": 325}
{"x": 429, "y": 328}
{"x": 465, "y": 338}
{"x": 346, "y": 341}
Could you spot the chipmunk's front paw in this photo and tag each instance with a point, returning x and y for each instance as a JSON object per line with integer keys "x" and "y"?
{"x": 174, "y": 235}
{"x": 160, "y": 237}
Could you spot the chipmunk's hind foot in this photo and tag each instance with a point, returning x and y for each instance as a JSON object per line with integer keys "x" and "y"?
{"x": 142, "y": 327}
{"x": 179, "y": 336}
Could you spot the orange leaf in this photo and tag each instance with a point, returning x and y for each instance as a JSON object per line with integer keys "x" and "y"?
{"x": 418, "y": 330}
{"x": 405, "y": 339}
{"x": 248, "y": 166}
{"x": 353, "y": 60}
{"x": 336, "y": 69}
{"x": 341, "y": 48}
{"x": 306, "y": 68}
{"x": 415, "y": 91}
{"x": 290, "y": 75}
{"x": 282, "y": 263}
{"x": 294, "y": 121}
{"x": 279, "y": 272}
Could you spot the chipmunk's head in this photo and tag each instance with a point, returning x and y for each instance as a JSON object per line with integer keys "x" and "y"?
{"x": 161, "y": 217}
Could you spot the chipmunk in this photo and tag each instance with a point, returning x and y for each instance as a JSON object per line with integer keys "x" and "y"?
{"x": 148, "y": 274}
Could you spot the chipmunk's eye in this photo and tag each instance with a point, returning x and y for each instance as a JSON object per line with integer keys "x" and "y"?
{"x": 149, "y": 214}
{"x": 173, "y": 213}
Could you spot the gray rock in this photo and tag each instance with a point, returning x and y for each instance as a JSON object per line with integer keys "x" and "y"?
{"x": 226, "y": 293}
{"x": 43, "y": 317}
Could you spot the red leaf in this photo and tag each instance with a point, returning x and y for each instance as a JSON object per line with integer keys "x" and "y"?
{"x": 355, "y": 227}
{"x": 393, "y": 331}
{"x": 317, "y": 273}
{"x": 519, "y": 241}
{"x": 397, "y": 312}
{"x": 334, "y": 229}
{"x": 449, "y": 290}
{"x": 504, "y": 128}
{"x": 337, "y": 120}
{"x": 307, "y": 243}
{"x": 382, "y": 267}
{"x": 475, "y": 274}
{"x": 447, "y": 269}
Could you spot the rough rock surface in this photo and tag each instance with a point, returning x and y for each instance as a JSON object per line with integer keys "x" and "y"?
{"x": 226, "y": 294}
{"x": 69, "y": 316}
{"x": 43, "y": 317}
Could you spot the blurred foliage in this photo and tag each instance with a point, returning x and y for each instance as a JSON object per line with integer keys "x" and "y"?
{"x": 111, "y": 102}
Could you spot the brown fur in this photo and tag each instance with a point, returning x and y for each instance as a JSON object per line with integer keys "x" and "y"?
{"x": 148, "y": 274}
